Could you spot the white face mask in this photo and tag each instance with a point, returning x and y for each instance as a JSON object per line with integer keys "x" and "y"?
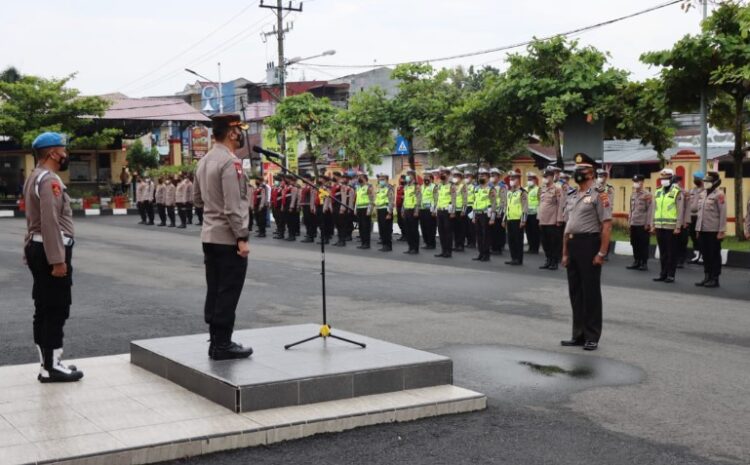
{"x": 707, "y": 185}
{"x": 665, "y": 182}
{"x": 636, "y": 185}
{"x": 601, "y": 180}
{"x": 513, "y": 183}
{"x": 548, "y": 181}
{"x": 454, "y": 180}
{"x": 530, "y": 183}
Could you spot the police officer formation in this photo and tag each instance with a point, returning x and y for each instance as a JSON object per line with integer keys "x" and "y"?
{"x": 170, "y": 195}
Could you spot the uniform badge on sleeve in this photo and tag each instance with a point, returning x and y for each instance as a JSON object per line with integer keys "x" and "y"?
{"x": 238, "y": 168}
{"x": 604, "y": 199}
{"x": 56, "y": 189}
{"x": 721, "y": 199}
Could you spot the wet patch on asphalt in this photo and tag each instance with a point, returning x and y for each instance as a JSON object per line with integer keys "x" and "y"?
{"x": 526, "y": 376}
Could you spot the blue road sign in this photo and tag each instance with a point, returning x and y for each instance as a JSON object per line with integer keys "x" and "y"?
{"x": 402, "y": 146}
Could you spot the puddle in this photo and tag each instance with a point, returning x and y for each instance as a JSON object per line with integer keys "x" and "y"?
{"x": 511, "y": 374}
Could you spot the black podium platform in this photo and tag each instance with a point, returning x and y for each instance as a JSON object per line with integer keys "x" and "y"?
{"x": 318, "y": 371}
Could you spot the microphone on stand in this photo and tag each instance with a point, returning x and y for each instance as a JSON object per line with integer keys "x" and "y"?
{"x": 268, "y": 153}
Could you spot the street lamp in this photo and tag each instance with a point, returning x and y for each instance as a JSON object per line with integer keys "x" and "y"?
{"x": 217, "y": 85}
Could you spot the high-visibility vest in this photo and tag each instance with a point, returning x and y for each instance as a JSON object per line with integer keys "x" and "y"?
{"x": 665, "y": 213}
{"x": 482, "y": 199}
{"x": 427, "y": 196}
{"x": 444, "y": 196}
{"x": 514, "y": 210}
{"x": 410, "y": 197}
{"x": 533, "y": 199}
{"x": 381, "y": 198}
{"x": 470, "y": 193}
{"x": 363, "y": 199}
{"x": 459, "y": 196}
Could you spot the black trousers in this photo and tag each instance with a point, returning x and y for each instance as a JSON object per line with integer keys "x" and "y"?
{"x": 342, "y": 224}
{"x": 585, "y": 287}
{"x": 401, "y": 221}
{"x": 149, "y": 211}
{"x": 189, "y": 212}
{"x": 412, "y": 229}
{"x": 639, "y": 240}
{"x": 250, "y": 219}
{"x": 470, "y": 233}
{"x": 52, "y": 296}
{"x": 308, "y": 219}
{"x": 182, "y": 213}
{"x": 551, "y": 242}
{"x": 498, "y": 235}
{"x": 260, "y": 219}
{"x": 667, "y": 242}
{"x": 459, "y": 230}
{"x": 711, "y": 253}
{"x": 532, "y": 233}
{"x": 142, "y": 211}
{"x": 483, "y": 232}
{"x": 225, "y": 277}
{"x": 292, "y": 222}
{"x": 328, "y": 225}
{"x": 162, "y": 210}
{"x": 428, "y": 225}
{"x": 199, "y": 214}
{"x": 515, "y": 240}
{"x": 385, "y": 227}
{"x": 365, "y": 225}
{"x": 694, "y": 237}
{"x": 682, "y": 242}
{"x": 280, "y": 219}
{"x": 445, "y": 231}
{"x": 170, "y": 214}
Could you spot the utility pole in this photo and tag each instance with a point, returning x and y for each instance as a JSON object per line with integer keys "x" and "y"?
{"x": 221, "y": 95}
{"x": 704, "y": 112}
{"x": 280, "y": 32}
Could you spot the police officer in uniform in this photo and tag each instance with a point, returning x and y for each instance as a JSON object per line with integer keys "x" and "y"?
{"x": 140, "y": 194}
{"x": 260, "y": 205}
{"x": 665, "y": 222}
{"x": 711, "y": 227}
{"x": 458, "y": 220}
{"x": 549, "y": 216}
{"x": 516, "y": 211}
{"x": 181, "y": 198}
{"x": 170, "y": 200}
{"x": 160, "y": 206}
{"x": 384, "y": 204}
{"x": 694, "y": 196}
{"x": 469, "y": 225}
{"x": 189, "y": 198}
{"x": 221, "y": 189}
{"x": 585, "y": 245}
{"x": 532, "y": 219}
{"x": 485, "y": 210}
{"x": 48, "y": 252}
{"x": 148, "y": 201}
{"x": 290, "y": 205}
{"x": 445, "y": 205}
{"x": 410, "y": 211}
{"x": 499, "y": 236}
{"x": 365, "y": 204}
{"x": 427, "y": 220}
{"x": 638, "y": 219}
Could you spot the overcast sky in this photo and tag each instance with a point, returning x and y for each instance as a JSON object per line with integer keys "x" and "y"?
{"x": 141, "y": 47}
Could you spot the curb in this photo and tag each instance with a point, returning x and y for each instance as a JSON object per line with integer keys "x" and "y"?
{"x": 731, "y": 258}
{"x": 15, "y": 213}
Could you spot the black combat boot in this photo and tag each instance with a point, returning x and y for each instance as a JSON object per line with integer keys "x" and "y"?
{"x": 706, "y": 278}
{"x": 52, "y": 369}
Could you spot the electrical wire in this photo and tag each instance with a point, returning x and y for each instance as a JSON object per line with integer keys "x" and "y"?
{"x": 192, "y": 47}
{"x": 505, "y": 47}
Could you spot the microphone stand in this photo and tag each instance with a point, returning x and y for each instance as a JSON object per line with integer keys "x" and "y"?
{"x": 325, "y": 328}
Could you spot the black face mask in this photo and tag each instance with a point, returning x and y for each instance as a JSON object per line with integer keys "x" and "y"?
{"x": 482, "y": 181}
{"x": 64, "y": 163}
{"x": 426, "y": 182}
{"x": 443, "y": 177}
{"x": 580, "y": 177}
{"x": 241, "y": 140}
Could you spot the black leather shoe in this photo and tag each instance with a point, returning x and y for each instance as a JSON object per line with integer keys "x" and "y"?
{"x": 669, "y": 279}
{"x": 260, "y": 235}
{"x": 161, "y": 225}
{"x": 231, "y": 351}
{"x": 309, "y": 239}
{"x": 590, "y": 345}
{"x": 485, "y": 258}
{"x": 513, "y": 263}
{"x": 291, "y": 239}
{"x": 552, "y": 266}
{"x": 643, "y": 267}
{"x": 458, "y": 249}
{"x": 478, "y": 259}
{"x": 182, "y": 226}
{"x": 439, "y": 255}
{"x": 706, "y": 279}
{"x": 339, "y": 244}
{"x": 429, "y": 247}
{"x": 660, "y": 278}
{"x": 545, "y": 266}
{"x": 385, "y": 248}
{"x": 572, "y": 343}
{"x": 363, "y": 247}
{"x": 712, "y": 283}
{"x": 634, "y": 266}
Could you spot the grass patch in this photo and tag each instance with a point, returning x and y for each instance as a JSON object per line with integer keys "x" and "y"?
{"x": 729, "y": 242}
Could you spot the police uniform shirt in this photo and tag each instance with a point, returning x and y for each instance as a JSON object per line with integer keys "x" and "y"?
{"x": 640, "y": 205}
{"x": 188, "y": 191}
{"x": 679, "y": 204}
{"x": 140, "y": 191}
{"x": 569, "y": 194}
{"x": 181, "y": 195}
{"x": 694, "y": 197}
{"x": 170, "y": 195}
{"x": 150, "y": 190}
{"x": 221, "y": 190}
{"x": 436, "y": 196}
{"x": 587, "y": 212}
{"x": 48, "y": 212}
{"x": 524, "y": 198}
{"x": 501, "y": 193}
{"x": 550, "y": 197}
{"x": 712, "y": 212}
{"x": 160, "y": 190}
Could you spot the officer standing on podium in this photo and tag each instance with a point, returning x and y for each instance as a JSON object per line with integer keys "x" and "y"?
{"x": 48, "y": 253}
{"x": 585, "y": 245}
{"x": 221, "y": 190}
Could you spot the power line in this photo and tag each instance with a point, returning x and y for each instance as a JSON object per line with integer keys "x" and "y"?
{"x": 506, "y": 47}
{"x": 191, "y": 47}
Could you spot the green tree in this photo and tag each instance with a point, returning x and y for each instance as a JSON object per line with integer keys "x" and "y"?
{"x": 140, "y": 159}
{"x": 644, "y": 113}
{"x": 716, "y": 62}
{"x": 311, "y": 116}
{"x": 33, "y": 104}
{"x": 556, "y": 79}
{"x": 10, "y": 74}
{"x": 363, "y": 131}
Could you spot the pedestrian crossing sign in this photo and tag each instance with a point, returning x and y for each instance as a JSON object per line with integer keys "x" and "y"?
{"x": 402, "y": 146}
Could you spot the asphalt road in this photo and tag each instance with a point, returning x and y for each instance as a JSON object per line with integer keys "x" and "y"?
{"x": 669, "y": 385}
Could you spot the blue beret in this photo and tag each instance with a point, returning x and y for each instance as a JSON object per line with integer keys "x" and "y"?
{"x": 49, "y": 139}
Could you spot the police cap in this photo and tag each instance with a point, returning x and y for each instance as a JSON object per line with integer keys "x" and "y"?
{"x": 638, "y": 177}
{"x": 584, "y": 161}
{"x": 224, "y": 121}
{"x": 49, "y": 139}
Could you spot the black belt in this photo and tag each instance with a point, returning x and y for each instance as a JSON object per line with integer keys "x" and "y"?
{"x": 582, "y": 235}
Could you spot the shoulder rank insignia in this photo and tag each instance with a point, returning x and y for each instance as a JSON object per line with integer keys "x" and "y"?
{"x": 56, "y": 189}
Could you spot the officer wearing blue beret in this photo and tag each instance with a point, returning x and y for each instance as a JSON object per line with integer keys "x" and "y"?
{"x": 48, "y": 251}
